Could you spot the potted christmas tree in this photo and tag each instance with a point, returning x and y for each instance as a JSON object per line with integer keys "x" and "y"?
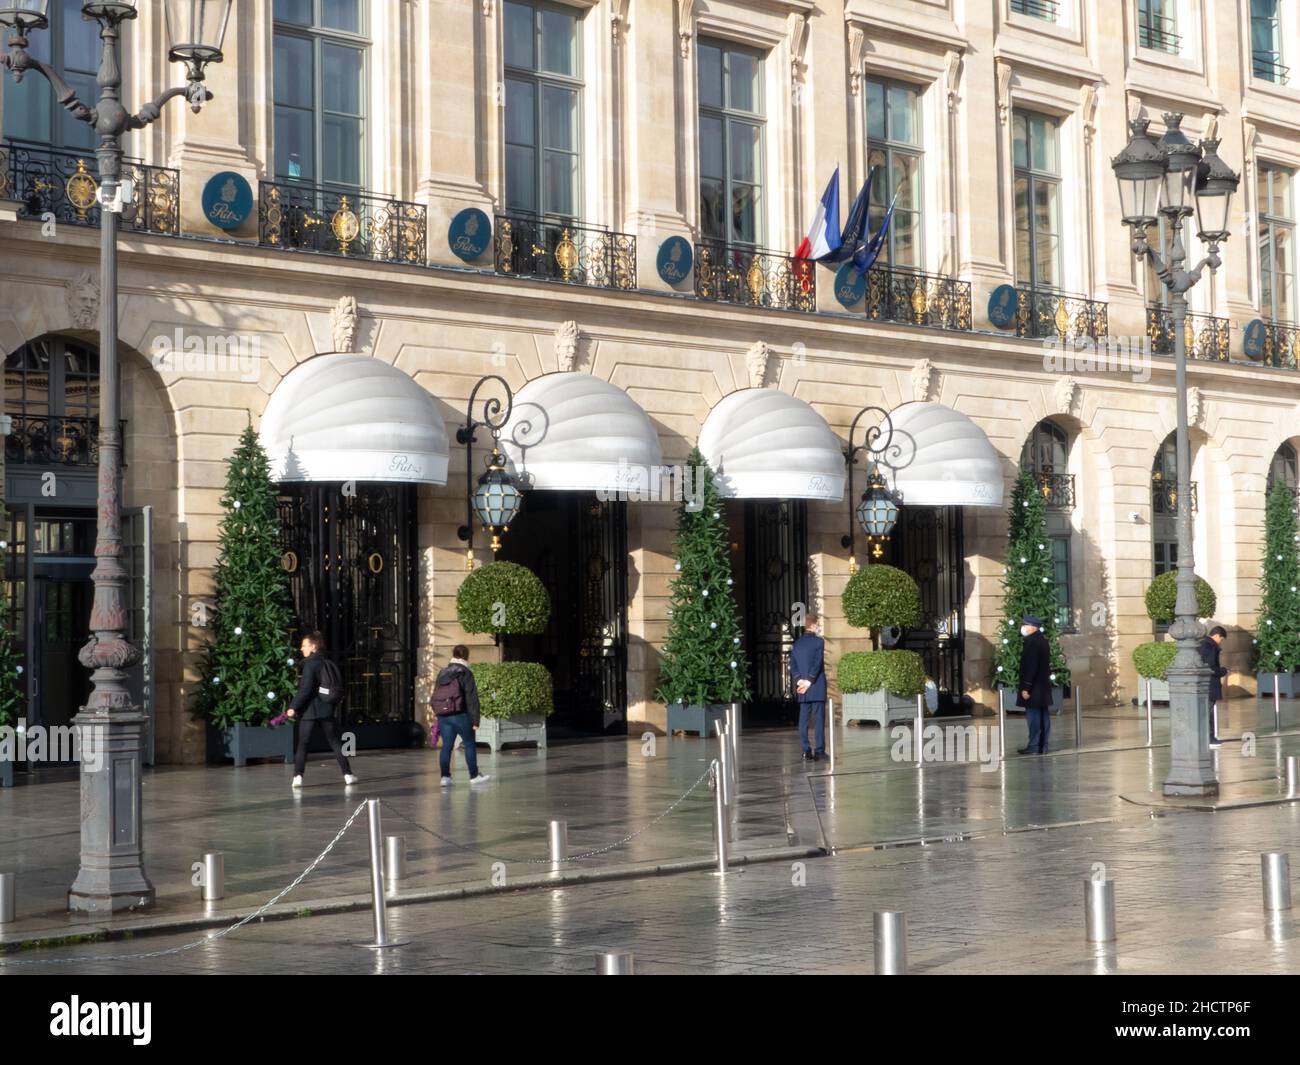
{"x": 1277, "y": 625}
{"x": 247, "y": 674}
{"x": 11, "y": 695}
{"x": 515, "y": 698}
{"x": 703, "y": 668}
{"x": 1027, "y": 588}
{"x": 878, "y": 685}
{"x": 1153, "y": 659}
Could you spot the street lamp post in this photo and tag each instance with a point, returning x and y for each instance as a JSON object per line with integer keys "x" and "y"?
{"x": 877, "y": 511}
{"x": 112, "y": 875}
{"x": 1174, "y": 179}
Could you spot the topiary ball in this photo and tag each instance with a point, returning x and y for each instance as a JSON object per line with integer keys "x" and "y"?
{"x": 1162, "y": 595}
{"x": 503, "y": 597}
{"x": 879, "y": 596}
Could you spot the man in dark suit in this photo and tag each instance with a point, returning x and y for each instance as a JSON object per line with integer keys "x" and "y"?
{"x": 315, "y": 712}
{"x": 808, "y": 671}
{"x": 1035, "y": 684}
{"x": 1210, "y": 647}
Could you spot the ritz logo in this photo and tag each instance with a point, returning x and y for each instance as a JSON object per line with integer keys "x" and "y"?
{"x": 223, "y": 209}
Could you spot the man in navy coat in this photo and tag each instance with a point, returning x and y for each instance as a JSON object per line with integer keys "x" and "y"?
{"x": 808, "y": 671}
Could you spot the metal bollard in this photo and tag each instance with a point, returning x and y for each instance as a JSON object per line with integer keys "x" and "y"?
{"x": 1277, "y": 705}
{"x": 733, "y": 734}
{"x": 382, "y": 940}
{"x": 1149, "y": 733}
{"x": 557, "y": 835}
{"x": 920, "y": 728}
{"x": 1276, "y": 869}
{"x": 1078, "y": 716}
{"x": 830, "y": 730}
{"x": 890, "y": 933}
{"x": 394, "y": 860}
{"x": 1099, "y": 910}
{"x": 719, "y": 817}
{"x": 1292, "y": 776}
{"x": 615, "y": 964}
{"x": 1002, "y": 723}
{"x": 214, "y": 876}
{"x": 8, "y": 894}
{"x": 724, "y": 756}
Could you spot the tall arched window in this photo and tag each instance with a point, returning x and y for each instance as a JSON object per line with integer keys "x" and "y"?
{"x": 1046, "y": 456}
{"x": 1284, "y": 469}
{"x": 52, "y": 395}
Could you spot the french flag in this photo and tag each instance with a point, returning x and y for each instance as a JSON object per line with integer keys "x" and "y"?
{"x": 824, "y": 235}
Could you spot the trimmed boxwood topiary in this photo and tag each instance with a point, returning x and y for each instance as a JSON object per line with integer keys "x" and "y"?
{"x": 513, "y": 689}
{"x": 503, "y": 598}
{"x": 1163, "y": 592}
{"x": 901, "y": 673}
{"x": 878, "y": 596}
{"x": 1153, "y": 659}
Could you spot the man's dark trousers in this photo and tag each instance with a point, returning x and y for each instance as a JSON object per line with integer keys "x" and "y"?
{"x": 305, "y": 728}
{"x": 816, "y": 713}
{"x": 1040, "y": 728}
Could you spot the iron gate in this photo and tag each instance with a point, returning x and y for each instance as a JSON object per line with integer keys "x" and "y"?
{"x": 776, "y": 578}
{"x": 600, "y": 572}
{"x": 349, "y": 557}
{"x": 928, "y": 543}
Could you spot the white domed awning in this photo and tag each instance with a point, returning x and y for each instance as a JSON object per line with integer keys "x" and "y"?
{"x": 945, "y": 459}
{"x": 766, "y": 444}
{"x": 353, "y": 418}
{"x": 581, "y": 433}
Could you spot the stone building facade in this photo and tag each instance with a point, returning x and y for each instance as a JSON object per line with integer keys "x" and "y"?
{"x": 983, "y": 103}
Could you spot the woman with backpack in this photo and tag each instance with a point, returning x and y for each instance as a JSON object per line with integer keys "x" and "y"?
{"x": 455, "y": 702}
{"x": 319, "y": 693}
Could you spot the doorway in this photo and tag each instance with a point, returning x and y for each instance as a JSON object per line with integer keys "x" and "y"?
{"x": 576, "y": 544}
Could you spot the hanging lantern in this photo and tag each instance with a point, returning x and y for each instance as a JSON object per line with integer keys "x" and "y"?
{"x": 878, "y": 512}
{"x": 497, "y": 499}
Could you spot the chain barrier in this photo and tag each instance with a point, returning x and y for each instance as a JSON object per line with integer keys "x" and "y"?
{"x": 547, "y": 861}
{"x": 213, "y": 937}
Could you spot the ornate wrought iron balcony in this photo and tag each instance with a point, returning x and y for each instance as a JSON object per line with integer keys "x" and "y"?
{"x": 1056, "y": 314}
{"x": 1057, "y": 489}
{"x": 62, "y": 184}
{"x": 54, "y": 441}
{"x": 1164, "y": 498}
{"x": 755, "y": 277}
{"x": 526, "y": 246}
{"x": 896, "y": 295}
{"x": 1281, "y": 345}
{"x": 358, "y": 225}
{"x": 1207, "y": 337}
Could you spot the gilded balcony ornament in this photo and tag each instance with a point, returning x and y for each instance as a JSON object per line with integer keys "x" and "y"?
{"x": 1189, "y": 335}
{"x": 163, "y": 202}
{"x": 81, "y": 189}
{"x": 755, "y": 280}
{"x": 566, "y": 255}
{"x": 506, "y": 242}
{"x": 345, "y": 225}
{"x": 1062, "y": 318}
{"x": 380, "y": 233}
{"x": 274, "y": 215}
{"x": 920, "y": 303}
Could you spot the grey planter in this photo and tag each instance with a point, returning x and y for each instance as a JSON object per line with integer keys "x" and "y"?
{"x": 881, "y": 707}
{"x": 696, "y": 717}
{"x": 1058, "y": 700}
{"x": 6, "y": 774}
{"x": 1159, "y": 690}
{"x": 496, "y": 732}
{"x": 239, "y": 743}
{"x": 1287, "y": 684}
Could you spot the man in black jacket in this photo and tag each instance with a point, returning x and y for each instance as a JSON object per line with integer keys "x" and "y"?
{"x": 1035, "y": 685}
{"x": 1210, "y": 647}
{"x": 457, "y": 717}
{"x": 316, "y": 712}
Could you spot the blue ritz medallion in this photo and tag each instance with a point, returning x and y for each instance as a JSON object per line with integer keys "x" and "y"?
{"x": 227, "y": 200}
{"x": 469, "y": 234}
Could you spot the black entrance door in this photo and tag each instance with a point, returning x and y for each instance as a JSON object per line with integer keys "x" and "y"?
{"x": 61, "y": 683}
{"x": 577, "y": 546}
{"x": 928, "y": 544}
{"x": 350, "y": 559}
{"x": 776, "y": 583}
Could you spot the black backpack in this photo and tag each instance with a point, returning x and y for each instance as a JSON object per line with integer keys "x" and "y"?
{"x": 330, "y": 683}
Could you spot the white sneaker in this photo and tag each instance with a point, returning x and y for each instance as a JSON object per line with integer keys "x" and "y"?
{"x": 297, "y": 782}
{"x": 446, "y": 782}
{"x": 482, "y": 778}
{"x": 349, "y": 779}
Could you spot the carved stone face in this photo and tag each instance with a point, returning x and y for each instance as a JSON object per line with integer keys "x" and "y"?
{"x": 83, "y": 300}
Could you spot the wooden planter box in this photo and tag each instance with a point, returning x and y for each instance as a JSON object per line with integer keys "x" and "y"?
{"x": 698, "y": 718}
{"x": 1159, "y": 690}
{"x": 242, "y": 742}
{"x": 496, "y": 732}
{"x": 6, "y": 774}
{"x": 1287, "y": 684}
{"x": 879, "y": 706}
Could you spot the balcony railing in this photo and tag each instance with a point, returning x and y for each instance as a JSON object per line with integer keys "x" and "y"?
{"x": 908, "y": 296}
{"x": 1158, "y": 32}
{"x": 754, "y": 277}
{"x": 1281, "y": 345}
{"x": 1055, "y": 314}
{"x": 1267, "y": 66}
{"x": 1057, "y": 489}
{"x": 575, "y": 254}
{"x": 46, "y": 440}
{"x": 1044, "y": 9}
{"x": 62, "y": 184}
{"x": 1206, "y": 336}
{"x": 1164, "y": 497}
{"x": 358, "y": 225}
